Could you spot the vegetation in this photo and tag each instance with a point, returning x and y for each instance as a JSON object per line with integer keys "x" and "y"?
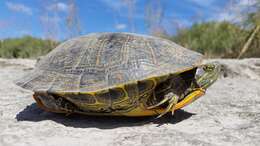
{"x": 253, "y": 22}
{"x": 214, "y": 39}
{"x": 224, "y": 39}
{"x": 25, "y": 47}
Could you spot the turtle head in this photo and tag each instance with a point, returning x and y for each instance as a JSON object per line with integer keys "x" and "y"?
{"x": 207, "y": 74}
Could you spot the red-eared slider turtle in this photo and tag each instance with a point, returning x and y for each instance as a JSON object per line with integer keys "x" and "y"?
{"x": 119, "y": 74}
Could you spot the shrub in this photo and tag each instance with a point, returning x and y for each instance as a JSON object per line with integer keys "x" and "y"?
{"x": 25, "y": 47}
{"x": 214, "y": 39}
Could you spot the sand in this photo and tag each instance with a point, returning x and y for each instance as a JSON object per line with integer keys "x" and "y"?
{"x": 229, "y": 114}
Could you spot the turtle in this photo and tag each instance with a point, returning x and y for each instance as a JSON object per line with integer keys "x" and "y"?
{"x": 119, "y": 74}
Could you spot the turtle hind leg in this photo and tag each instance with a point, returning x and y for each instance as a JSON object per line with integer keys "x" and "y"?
{"x": 40, "y": 102}
{"x": 54, "y": 103}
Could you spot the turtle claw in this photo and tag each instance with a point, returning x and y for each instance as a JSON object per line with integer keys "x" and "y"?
{"x": 172, "y": 99}
{"x": 171, "y": 107}
{"x": 175, "y": 101}
{"x": 167, "y": 109}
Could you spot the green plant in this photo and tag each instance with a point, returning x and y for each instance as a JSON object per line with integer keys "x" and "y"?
{"x": 214, "y": 39}
{"x": 25, "y": 47}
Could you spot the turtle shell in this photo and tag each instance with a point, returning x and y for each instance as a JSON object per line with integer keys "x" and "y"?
{"x": 105, "y": 60}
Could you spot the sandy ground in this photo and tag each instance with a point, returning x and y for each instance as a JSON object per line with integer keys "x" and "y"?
{"x": 229, "y": 114}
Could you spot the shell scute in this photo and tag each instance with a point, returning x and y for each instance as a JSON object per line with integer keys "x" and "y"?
{"x": 105, "y": 60}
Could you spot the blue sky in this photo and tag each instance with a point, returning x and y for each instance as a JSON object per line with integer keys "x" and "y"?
{"x": 26, "y": 17}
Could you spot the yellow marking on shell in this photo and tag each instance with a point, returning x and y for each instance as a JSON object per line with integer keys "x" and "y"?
{"x": 126, "y": 94}
{"x": 161, "y": 79}
{"x": 125, "y": 97}
{"x": 122, "y": 86}
{"x": 141, "y": 111}
{"x": 125, "y": 91}
{"x": 154, "y": 85}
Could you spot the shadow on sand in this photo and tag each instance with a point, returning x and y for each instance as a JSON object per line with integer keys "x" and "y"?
{"x": 35, "y": 114}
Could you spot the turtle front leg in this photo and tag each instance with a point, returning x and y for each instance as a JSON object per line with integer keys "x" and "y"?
{"x": 172, "y": 103}
{"x": 172, "y": 99}
{"x": 166, "y": 98}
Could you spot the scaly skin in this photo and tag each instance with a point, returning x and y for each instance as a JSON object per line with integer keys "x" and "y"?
{"x": 203, "y": 81}
{"x": 206, "y": 75}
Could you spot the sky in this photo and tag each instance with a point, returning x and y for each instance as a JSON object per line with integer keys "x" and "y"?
{"x": 28, "y": 17}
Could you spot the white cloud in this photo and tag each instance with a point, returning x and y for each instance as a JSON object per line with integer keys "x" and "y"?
{"x": 120, "y": 26}
{"x": 118, "y": 5}
{"x": 203, "y": 3}
{"x": 246, "y": 2}
{"x": 62, "y": 7}
{"x": 50, "y": 19}
{"x": 234, "y": 12}
{"x": 115, "y": 4}
{"x": 17, "y": 7}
